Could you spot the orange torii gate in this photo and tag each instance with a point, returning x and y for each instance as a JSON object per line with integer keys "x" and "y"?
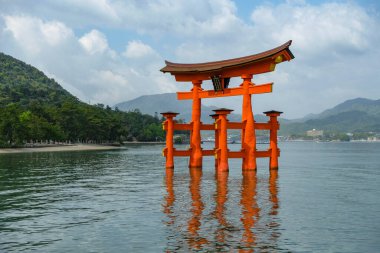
{"x": 220, "y": 73}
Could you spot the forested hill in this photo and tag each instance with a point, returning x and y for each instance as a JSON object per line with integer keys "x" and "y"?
{"x": 23, "y": 84}
{"x": 359, "y": 115}
{"x": 34, "y": 107}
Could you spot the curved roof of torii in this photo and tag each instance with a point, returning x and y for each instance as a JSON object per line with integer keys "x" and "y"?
{"x": 220, "y": 66}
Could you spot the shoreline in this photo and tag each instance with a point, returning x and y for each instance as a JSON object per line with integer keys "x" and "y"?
{"x": 60, "y": 148}
{"x": 144, "y": 142}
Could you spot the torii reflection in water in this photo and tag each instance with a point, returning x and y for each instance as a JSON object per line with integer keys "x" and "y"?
{"x": 212, "y": 225}
{"x": 195, "y": 240}
{"x": 250, "y": 209}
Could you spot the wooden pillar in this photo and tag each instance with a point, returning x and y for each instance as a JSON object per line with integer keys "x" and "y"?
{"x": 274, "y": 126}
{"x": 216, "y": 137}
{"x": 248, "y": 134}
{"x": 195, "y": 141}
{"x": 222, "y": 151}
{"x": 169, "y": 149}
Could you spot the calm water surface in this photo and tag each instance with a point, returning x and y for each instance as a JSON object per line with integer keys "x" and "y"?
{"x": 325, "y": 198}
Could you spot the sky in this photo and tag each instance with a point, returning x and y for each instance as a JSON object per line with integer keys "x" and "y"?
{"x": 110, "y": 51}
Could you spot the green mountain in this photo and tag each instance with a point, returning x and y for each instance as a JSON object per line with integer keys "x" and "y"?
{"x": 355, "y": 116}
{"x": 21, "y": 83}
{"x": 34, "y": 107}
{"x": 368, "y": 106}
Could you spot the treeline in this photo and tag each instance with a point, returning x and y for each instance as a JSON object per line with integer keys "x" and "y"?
{"x": 35, "y": 108}
{"x": 75, "y": 123}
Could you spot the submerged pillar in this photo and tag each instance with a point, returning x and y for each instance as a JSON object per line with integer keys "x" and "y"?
{"x": 274, "y": 126}
{"x": 195, "y": 140}
{"x": 248, "y": 134}
{"x": 169, "y": 149}
{"x": 222, "y": 151}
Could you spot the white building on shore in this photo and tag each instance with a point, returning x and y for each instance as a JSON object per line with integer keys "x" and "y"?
{"x": 314, "y": 133}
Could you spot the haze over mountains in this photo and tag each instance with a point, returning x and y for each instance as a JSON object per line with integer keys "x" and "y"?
{"x": 150, "y": 104}
{"x": 355, "y": 115}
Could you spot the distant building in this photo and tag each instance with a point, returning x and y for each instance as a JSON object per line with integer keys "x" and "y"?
{"x": 314, "y": 133}
{"x": 372, "y": 138}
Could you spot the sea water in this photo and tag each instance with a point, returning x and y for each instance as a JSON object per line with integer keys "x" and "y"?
{"x": 324, "y": 198}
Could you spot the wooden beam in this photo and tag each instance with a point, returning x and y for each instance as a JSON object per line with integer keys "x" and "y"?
{"x": 238, "y": 91}
{"x": 181, "y": 152}
{"x": 263, "y": 153}
{"x": 187, "y": 127}
{"x": 235, "y": 125}
{"x": 236, "y": 154}
{"x": 262, "y": 126}
{"x": 182, "y": 126}
{"x": 207, "y": 127}
{"x": 208, "y": 152}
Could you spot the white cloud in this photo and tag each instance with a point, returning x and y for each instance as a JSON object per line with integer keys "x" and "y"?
{"x": 97, "y": 8}
{"x": 108, "y": 85}
{"x": 330, "y": 42}
{"x": 55, "y": 32}
{"x": 339, "y": 28}
{"x": 94, "y": 42}
{"x": 35, "y": 34}
{"x": 137, "y": 49}
{"x": 73, "y": 13}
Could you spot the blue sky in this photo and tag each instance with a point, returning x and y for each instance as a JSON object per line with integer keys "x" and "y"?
{"x": 109, "y": 51}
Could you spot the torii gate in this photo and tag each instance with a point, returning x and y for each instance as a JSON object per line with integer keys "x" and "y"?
{"x": 220, "y": 73}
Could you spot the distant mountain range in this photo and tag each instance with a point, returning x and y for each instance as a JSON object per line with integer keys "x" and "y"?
{"x": 355, "y": 115}
{"x": 152, "y": 104}
{"x": 371, "y": 107}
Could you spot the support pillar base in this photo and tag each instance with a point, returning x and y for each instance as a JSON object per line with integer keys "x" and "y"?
{"x": 219, "y": 170}
{"x": 250, "y": 169}
{"x": 195, "y": 167}
{"x": 249, "y": 173}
